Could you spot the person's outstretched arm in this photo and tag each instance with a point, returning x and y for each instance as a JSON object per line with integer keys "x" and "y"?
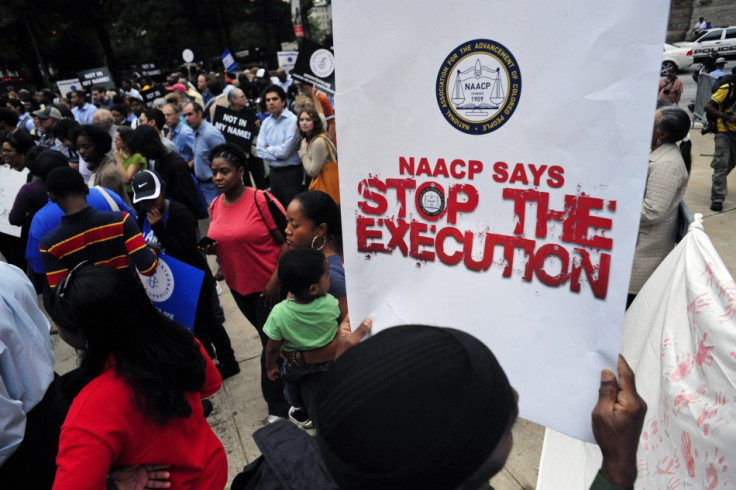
{"x": 618, "y": 418}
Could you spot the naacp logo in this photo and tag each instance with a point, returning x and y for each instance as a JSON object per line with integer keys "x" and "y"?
{"x": 159, "y": 286}
{"x": 431, "y": 201}
{"x": 322, "y": 63}
{"x": 478, "y": 86}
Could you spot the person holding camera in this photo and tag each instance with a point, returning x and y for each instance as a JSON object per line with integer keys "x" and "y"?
{"x": 670, "y": 88}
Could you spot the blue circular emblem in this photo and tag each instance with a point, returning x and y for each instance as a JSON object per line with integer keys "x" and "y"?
{"x": 478, "y": 86}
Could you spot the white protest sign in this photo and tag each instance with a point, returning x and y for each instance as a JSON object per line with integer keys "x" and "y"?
{"x": 66, "y": 86}
{"x": 497, "y": 163}
{"x": 10, "y": 183}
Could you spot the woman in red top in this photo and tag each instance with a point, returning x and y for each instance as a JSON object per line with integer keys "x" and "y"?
{"x": 248, "y": 245}
{"x": 144, "y": 377}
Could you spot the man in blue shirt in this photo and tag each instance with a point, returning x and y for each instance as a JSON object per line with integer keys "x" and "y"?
{"x": 206, "y": 137}
{"x": 278, "y": 143}
{"x": 178, "y": 132}
{"x": 83, "y": 112}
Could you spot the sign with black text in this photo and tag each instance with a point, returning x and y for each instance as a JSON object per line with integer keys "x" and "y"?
{"x": 96, "y": 76}
{"x": 315, "y": 65}
{"x": 237, "y": 127}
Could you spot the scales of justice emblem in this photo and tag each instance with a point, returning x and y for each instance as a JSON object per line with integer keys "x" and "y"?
{"x": 478, "y": 90}
{"x": 478, "y": 86}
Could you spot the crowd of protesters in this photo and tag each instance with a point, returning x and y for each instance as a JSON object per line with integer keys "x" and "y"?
{"x": 114, "y": 181}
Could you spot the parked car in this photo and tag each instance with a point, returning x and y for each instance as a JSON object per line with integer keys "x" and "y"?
{"x": 677, "y": 58}
{"x": 721, "y": 40}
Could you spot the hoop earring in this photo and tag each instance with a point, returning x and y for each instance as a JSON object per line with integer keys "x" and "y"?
{"x": 324, "y": 242}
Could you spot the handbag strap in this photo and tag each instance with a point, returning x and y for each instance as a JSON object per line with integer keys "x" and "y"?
{"x": 113, "y": 205}
{"x": 330, "y": 147}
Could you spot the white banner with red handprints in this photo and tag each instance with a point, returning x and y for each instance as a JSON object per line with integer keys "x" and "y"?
{"x": 680, "y": 340}
{"x": 492, "y": 168}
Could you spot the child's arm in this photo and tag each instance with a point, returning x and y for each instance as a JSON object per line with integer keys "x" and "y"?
{"x": 272, "y": 354}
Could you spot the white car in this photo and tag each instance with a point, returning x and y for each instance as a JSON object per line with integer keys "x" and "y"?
{"x": 677, "y": 58}
{"x": 721, "y": 40}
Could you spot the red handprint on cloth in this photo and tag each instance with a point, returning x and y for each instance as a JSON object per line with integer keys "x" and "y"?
{"x": 710, "y": 413}
{"x": 703, "y": 356}
{"x": 714, "y": 467}
{"x": 685, "y": 364}
{"x": 697, "y": 306}
{"x": 708, "y": 272}
{"x": 728, "y": 294}
{"x": 687, "y": 453}
{"x": 684, "y": 399}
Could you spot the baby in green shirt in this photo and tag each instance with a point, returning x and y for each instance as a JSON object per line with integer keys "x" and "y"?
{"x": 305, "y": 321}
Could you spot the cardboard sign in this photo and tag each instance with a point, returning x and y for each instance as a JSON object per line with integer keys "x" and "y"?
{"x": 66, "y": 86}
{"x": 151, "y": 70}
{"x": 174, "y": 289}
{"x": 153, "y": 93}
{"x": 503, "y": 191}
{"x": 287, "y": 59}
{"x": 228, "y": 61}
{"x": 96, "y": 76}
{"x": 10, "y": 183}
{"x": 237, "y": 127}
{"x": 316, "y": 66}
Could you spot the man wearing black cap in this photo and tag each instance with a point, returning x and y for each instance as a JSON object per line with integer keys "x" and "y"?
{"x": 170, "y": 166}
{"x": 173, "y": 227}
{"x": 440, "y": 418}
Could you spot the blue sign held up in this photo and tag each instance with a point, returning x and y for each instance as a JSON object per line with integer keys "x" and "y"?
{"x": 174, "y": 289}
{"x": 228, "y": 61}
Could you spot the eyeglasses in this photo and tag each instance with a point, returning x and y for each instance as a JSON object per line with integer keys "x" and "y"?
{"x": 188, "y": 114}
{"x": 7, "y": 151}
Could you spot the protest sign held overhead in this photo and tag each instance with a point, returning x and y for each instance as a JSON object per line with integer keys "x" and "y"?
{"x": 153, "y": 93}
{"x": 66, "y": 86}
{"x": 502, "y": 185}
{"x": 96, "y": 76}
{"x": 236, "y": 126}
{"x": 315, "y": 65}
{"x": 151, "y": 70}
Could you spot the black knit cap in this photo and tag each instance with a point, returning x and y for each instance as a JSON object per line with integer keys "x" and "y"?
{"x": 413, "y": 407}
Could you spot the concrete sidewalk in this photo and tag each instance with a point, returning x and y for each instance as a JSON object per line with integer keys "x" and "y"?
{"x": 240, "y": 409}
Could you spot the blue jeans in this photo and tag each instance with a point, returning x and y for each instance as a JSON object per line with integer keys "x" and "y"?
{"x": 291, "y": 375}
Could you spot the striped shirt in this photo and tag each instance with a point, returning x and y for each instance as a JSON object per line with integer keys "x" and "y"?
{"x": 101, "y": 238}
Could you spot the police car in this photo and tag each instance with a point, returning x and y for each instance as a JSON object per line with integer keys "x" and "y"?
{"x": 677, "y": 58}
{"x": 721, "y": 40}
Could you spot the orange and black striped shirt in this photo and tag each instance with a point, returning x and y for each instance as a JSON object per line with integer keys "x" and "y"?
{"x": 101, "y": 238}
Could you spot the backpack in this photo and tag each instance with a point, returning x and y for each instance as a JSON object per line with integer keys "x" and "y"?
{"x": 712, "y": 121}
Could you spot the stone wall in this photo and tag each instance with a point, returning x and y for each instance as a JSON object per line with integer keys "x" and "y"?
{"x": 685, "y": 13}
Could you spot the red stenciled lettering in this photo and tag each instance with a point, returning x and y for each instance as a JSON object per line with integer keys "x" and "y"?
{"x": 540, "y": 261}
{"x": 397, "y": 229}
{"x": 364, "y": 234}
{"x": 380, "y": 205}
{"x": 418, "y": 240}
{"x": 445, "y": 258}
{"x": 597, "y": 276}
{"x": 401, "y": 185}
{"x": 455, "y": 205}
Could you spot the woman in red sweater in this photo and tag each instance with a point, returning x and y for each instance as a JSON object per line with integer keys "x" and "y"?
{"x": 143, "y": 378}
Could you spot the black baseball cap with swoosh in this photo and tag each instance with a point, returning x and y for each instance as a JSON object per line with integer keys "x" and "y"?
{"x": 146, "y": 185}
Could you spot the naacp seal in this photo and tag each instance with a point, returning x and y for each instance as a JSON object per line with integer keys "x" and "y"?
{"x": 159, "y": 286}
{"x": 478, "y": 86}
{"x": 431, "y": 201}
